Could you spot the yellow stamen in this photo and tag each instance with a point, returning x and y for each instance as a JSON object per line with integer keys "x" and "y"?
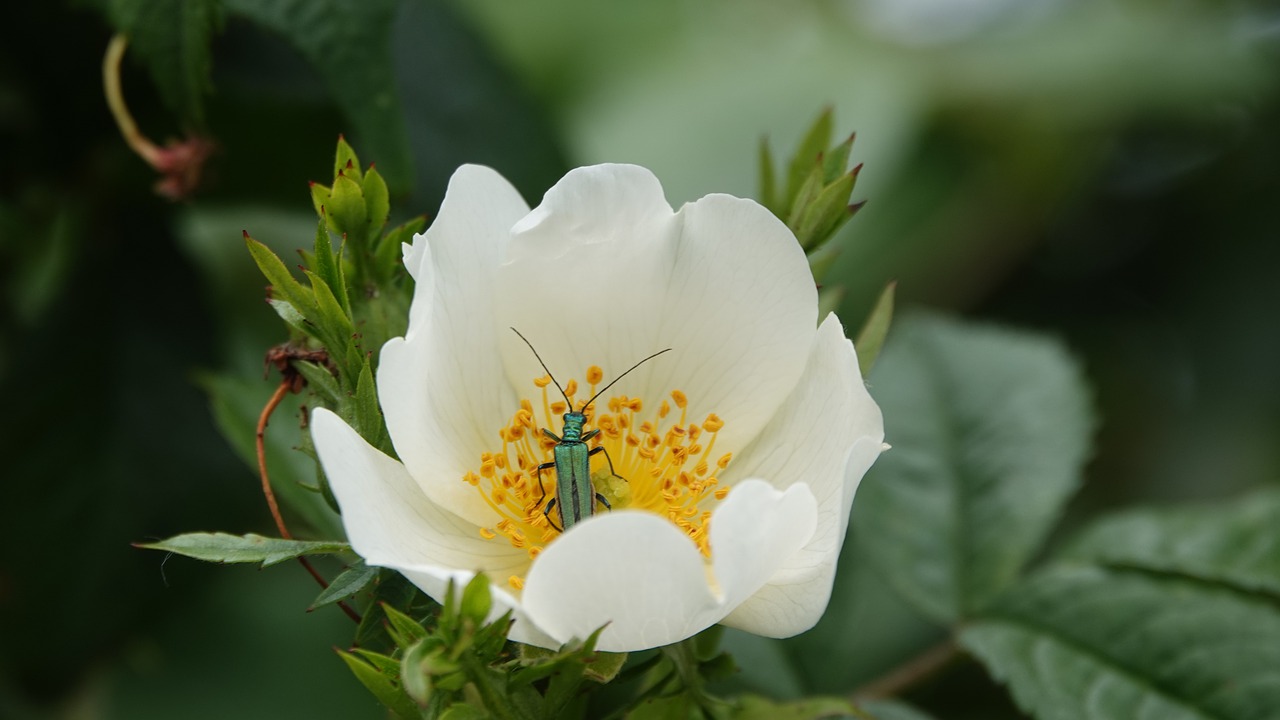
{"x": 664, "y": 464}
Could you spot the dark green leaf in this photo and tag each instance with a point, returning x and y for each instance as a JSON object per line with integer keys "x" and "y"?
{"x": 990, "y": 429}
{"x": 173, "y": 39}
{"x": 392, "y": 590}
{"x": 1237, "y": 543}
{"x": 349, "y": 45}
{"x": 874, "y": 331}
{"x": 237, "y": 402}
{"x": 404, "y": 629}
{"x": 352, "y": 581}
{"x": 1089, "y": 643}
{"x": 225, "y": 548}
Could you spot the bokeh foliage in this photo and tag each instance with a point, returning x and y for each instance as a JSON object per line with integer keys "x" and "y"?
{"x": 1099, "y": 171}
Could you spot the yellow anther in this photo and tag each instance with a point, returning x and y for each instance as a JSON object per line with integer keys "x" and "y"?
{"x": 724, "y": 460}
{"x": 516, "y": 582}
{"x": 653, "y": 457}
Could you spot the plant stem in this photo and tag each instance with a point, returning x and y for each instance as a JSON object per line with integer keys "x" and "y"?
{"x": 276, "y": 398}
{"x": 910, "y": 673}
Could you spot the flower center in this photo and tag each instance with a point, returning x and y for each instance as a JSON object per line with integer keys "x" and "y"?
{"x": 664, "y": 465}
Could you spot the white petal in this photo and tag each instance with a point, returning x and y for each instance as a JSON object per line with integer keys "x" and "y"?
{"x": 826, "y": 436}
{"x": 582, "y": 275}
{"x": 389, "y": 521}
{"x": 603, "y": 272}
{"x": 633, "y": 570}
{"x": 442, "y": 387}
{"x": 740, "y": 311}
{"x": 754, "y": 532}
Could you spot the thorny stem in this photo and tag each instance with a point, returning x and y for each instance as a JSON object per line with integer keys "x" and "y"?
{"x": 910, "y": 673}
{"x": 276, "y": 398}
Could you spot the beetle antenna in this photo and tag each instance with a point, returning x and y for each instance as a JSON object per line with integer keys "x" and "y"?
{"x": 553, "y": 377}
{"x": 633, "y": 367}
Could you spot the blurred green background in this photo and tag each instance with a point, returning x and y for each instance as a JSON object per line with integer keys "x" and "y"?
{"x": 1101, "y": 171}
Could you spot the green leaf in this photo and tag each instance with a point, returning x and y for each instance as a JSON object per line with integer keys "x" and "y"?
{"x": 603, "y": 667}
{"x": 392, "y": 590}
{"x": 367, "y": 415}
{"x": 815, "y": 141}
{"x": 462, "y": 711}
{"x": 1235, "y": 543}
{"x": 237, "y": 401}
{"x": 377, "y": 201}
{"x": 404, "y": 629}
{"x": 250, "y": 548}
{"x": 415, "y": 676}
{"x": 328, "y": 265}
{"x": 173, "y": 39}
{"x": 345, "y": 160}
{"x": 381, "y": 684}
{"x": 1089, "y": 643}
{"x": 754, "y": 707}
{"x": 874, "y": 331}
{"x": 319, "y": 198}
{"x": 990, "y": 429}
{"x": 352, "y": 581}
{"x": 320, "y": 379}
{"x": 824, "y": 214}
{"x": 349, "y": 46}
{"x": 282, "y": 281}
{"x": 768, "y": 181}
{"x": 476, "y": 599}
{"x": 346, "y": 210}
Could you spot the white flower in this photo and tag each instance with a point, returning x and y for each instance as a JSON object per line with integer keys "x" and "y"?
{"x": 740, "y": 448}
